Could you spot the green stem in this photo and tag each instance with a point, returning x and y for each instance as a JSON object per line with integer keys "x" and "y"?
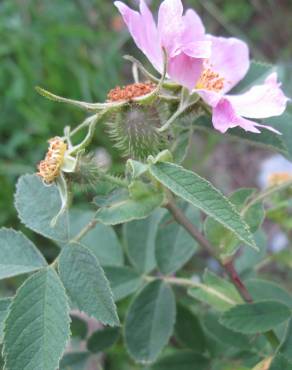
{"x": 91, "y": 225}
{"x": 266, "y": 193}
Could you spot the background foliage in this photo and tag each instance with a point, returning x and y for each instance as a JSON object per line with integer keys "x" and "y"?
{"x": 75, "y": 49}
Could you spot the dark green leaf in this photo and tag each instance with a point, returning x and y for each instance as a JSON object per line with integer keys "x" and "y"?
{"x": 280, "y": 363}
{"x": 123, "y": 281}
{"x": 261, "y": 290}
{"x": 266, "y": 139}
{"x": 224, "y": 335}
{"x": 181, "y": 360}
{"x": 255, "y": 317}
{"x": 78, "y": 327}
{"x": 286, "y": 346}
{"x": 188, "y": 330}
{"x": 102, "y": 340}
{"x": 149, "y": 322}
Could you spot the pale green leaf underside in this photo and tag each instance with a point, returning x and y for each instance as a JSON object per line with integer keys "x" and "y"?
{"x": 18, "y": 255}
{"x": 129, "y": 209}
{"x": 216, "y": 292}
{"x": 256, "y": 317}
{"x": 37, "y": 326}
{"x": 37, "y": 205}
{"x": 201, "y": 194}
{"x": 86, "y": 284}
{"x": 139, "y": 237}
{"x": 149, "y": 322}
{"x": 174, "y": 246}
{"x": 102, "y": 240}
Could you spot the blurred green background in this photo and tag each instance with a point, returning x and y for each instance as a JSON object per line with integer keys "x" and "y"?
{"x": 75, "y": 47}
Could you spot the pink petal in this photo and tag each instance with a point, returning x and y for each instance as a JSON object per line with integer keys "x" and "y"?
{"x": 261, "y": 101}
{"x": 225, "y": 117}
{"x": 198, "y": 49}
{"x": 193, "y": 28}
{"x": 144, "y": 31}
{"x": 229, "y": 58}
{"x": 212, "y": 98}
{"x": 170, "y": 24}
{"x": 185, "y": 70}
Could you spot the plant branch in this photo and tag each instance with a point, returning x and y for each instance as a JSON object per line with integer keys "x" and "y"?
{"x": 228, "y": 267}
{"x": 84, "y": 231}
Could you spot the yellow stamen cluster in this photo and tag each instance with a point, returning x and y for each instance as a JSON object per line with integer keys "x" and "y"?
{"x": 279, "y": 178}
{"x": 210, "y": 80}
{"x": 49, "y": 168}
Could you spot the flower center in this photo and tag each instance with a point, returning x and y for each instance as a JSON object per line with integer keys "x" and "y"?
{"x": 279, "y": 178}
{"x": 130, "y": 92}
{"x": 210, "y": 80}
{"x": 49, "y": 168}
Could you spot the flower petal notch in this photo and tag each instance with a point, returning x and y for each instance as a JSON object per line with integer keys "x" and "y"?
{"x": 182, "y": 36}
{"x": 228, "y": 65}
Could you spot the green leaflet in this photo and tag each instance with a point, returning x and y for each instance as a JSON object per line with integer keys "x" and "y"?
{"x": 139, "y": 237}
{"x": 261, "y": 290}
{"x": 102, "y": 240}
{"x": 127, "y": 208}
{"x": 223, "y": 335}
{"x": 86, "y": 284}
{"x": 78, "y": 327}
{"x": 201, "y": 194}
{"x": 257, "y": 73}
{"x": 123, "y": 281}
{"x": 18, "y": 255}
{"x": 74, "y": 361}
{"x": 173, "y": 245}
{"x": 216, "y": 292}
{"x": 4, "y": 309}
{"x": 37, "y": 205}
{"x": 280, "y": 363}
{"x": 286, "y": 346}
{"x": 283, "y": 124}
{"x": 225, "y": 241}
{"x": 188, "y": 330}
{"x": 149, "y": 322}
{"x": 256, "y": 317}
{"x": 37, "y": 326}
{"x": 102, "y": 340}
{"x": 182, "y": 360}
{"x": 266, "y": 139}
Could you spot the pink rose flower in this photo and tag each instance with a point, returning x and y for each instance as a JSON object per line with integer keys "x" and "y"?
{"x": 182, "y": 36}
{"x": 228, "y": 64}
